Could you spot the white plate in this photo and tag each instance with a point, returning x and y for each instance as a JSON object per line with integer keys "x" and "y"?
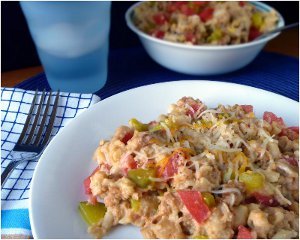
{"x": 57, "y": 182}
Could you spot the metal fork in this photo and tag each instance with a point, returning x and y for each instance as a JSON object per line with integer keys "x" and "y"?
{"x": 31, "y": 147}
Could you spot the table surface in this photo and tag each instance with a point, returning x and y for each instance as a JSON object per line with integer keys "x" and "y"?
{"x": 286, "y": 43}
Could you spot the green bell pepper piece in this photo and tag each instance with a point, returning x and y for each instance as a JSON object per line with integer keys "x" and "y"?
{"x": 135, "y": 204}
{"x": 215, "y": 36}
{"x": 91, "y": 214}
{"x": 141, "y": 177}
{"x": 257, "y": 20}
{"x": 141, "y": 127}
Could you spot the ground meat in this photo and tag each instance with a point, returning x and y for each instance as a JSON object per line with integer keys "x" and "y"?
{"x": 163, "y": 228}
{"x": 285, "y": 234}
{"x": 240, "y": 216}
{"x": 274, "y": 150}
{"x": 165, "y": 223}
{"x": 219, "y": 223}
{"x": 282, "y": 219}
{"x": 112, "y": 190}
{"x": 258, "y": 221}
{"x": 184, "y": 179}
{"x": 138, "y": 140}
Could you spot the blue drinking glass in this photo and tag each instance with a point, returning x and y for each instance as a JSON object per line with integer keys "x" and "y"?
{"x": 72, "y": 41}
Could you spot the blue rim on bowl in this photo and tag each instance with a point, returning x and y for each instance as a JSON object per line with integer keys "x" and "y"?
{"x": 261, "y": 6}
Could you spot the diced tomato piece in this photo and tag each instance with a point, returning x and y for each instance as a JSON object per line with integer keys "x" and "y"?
{"x": 160, "y": 18}
{"x": 190, "y": 37}
{"x": 172, "y": 7}
{"x": 242, "y": 3}
{"x": 271, "y": 117}
{"x": 195, "y": 204}
{"x": 87, "y": 182}
{"x": 171, "y": 167}
{"x": 105, "y": 167}
{"x": 295, "y": 129}
{"x": 265, "y": 200}
{"x": 92, "y": 199}
{"x": 200, "y": 3}
{"x": 244, "y": 233}
{"x": 132, "y": 164}
{"x": 176, "y": 5}
{"x": 253, "y": 33}
{"x": 206, "y": 14}
{"x": 127, "y": 137}
{"x": 168, "y": 166}
{"x": 262, "y": 199}
{"x": 250, "y": 199}
{"x": 128, "y": 163}
{"x": 291, "y": 132}
{"x": 292, "y": 161}
{"x": 158, "y": 34}
{"x": 186, "y": 10}
{"x": 195, "y": 108}
{"x": 179, "y": 3}
{"x": 247, "y": 108}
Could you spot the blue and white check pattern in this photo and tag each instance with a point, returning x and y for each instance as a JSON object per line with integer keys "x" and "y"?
{"x": 15, "y": 104}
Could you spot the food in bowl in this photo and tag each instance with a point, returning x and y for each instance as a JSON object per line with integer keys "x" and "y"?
{"x": 205, "y": 59}
{"x": 198, "y": 172}
{"x": 203, "y": 22}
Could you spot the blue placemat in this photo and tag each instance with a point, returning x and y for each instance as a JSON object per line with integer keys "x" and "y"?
{"x": 132, "y": 67}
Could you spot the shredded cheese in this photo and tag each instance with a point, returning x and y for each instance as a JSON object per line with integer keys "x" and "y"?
{"x": 158, "y": 179}
{"x": 208, "y": 111}
{"x": 226, "y": 190}
{"x": 198, "y": 112}
{"x": 236, "y": 171}
{"x": 168, "y": 132}
{"x": 287, "y": 169}
{"x": 214, "y": 147}
{"x": 232, "y": 199}
{"x": 197, "y": 168}
{"x": 186, "y": 105}
{"x": 280, "y": 195}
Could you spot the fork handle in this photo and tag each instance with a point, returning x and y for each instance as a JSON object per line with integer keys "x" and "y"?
{"x": 8, "y": 170}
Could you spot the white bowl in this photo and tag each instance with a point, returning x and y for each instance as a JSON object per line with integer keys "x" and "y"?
{"x": 197, "y": 59}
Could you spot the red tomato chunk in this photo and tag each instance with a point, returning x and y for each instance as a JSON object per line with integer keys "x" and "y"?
{"x": 244, "y": 233}
{"x": 266, "y": 200}
{"x": 160, "y": 18}
{"x": 206, "y": 14}
{"x": 172, "y": 166}
{"x": 242, "y": 3}
{"x": 271, "y": 117}
{"x": 292, "y": 133}
{"x": 128, "y": 163}
{"x": 127, "y": 137}
{"x": 247, "y": 108}
{"x": 195, "y": 204}
{"x": 87, "y": 182}
{"x": 292, "y": 161}
{"x": 253, "y": 33}
{"x": 158, "y": 34}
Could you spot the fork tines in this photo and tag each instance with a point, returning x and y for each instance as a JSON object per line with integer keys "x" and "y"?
{"x": 37, "y": 140}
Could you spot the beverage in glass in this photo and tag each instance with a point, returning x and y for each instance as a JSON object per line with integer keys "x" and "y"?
{"x": 72, "y": 41}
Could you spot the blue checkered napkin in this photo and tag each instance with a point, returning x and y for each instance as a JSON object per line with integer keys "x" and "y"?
{"x": 15, "y": 104}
